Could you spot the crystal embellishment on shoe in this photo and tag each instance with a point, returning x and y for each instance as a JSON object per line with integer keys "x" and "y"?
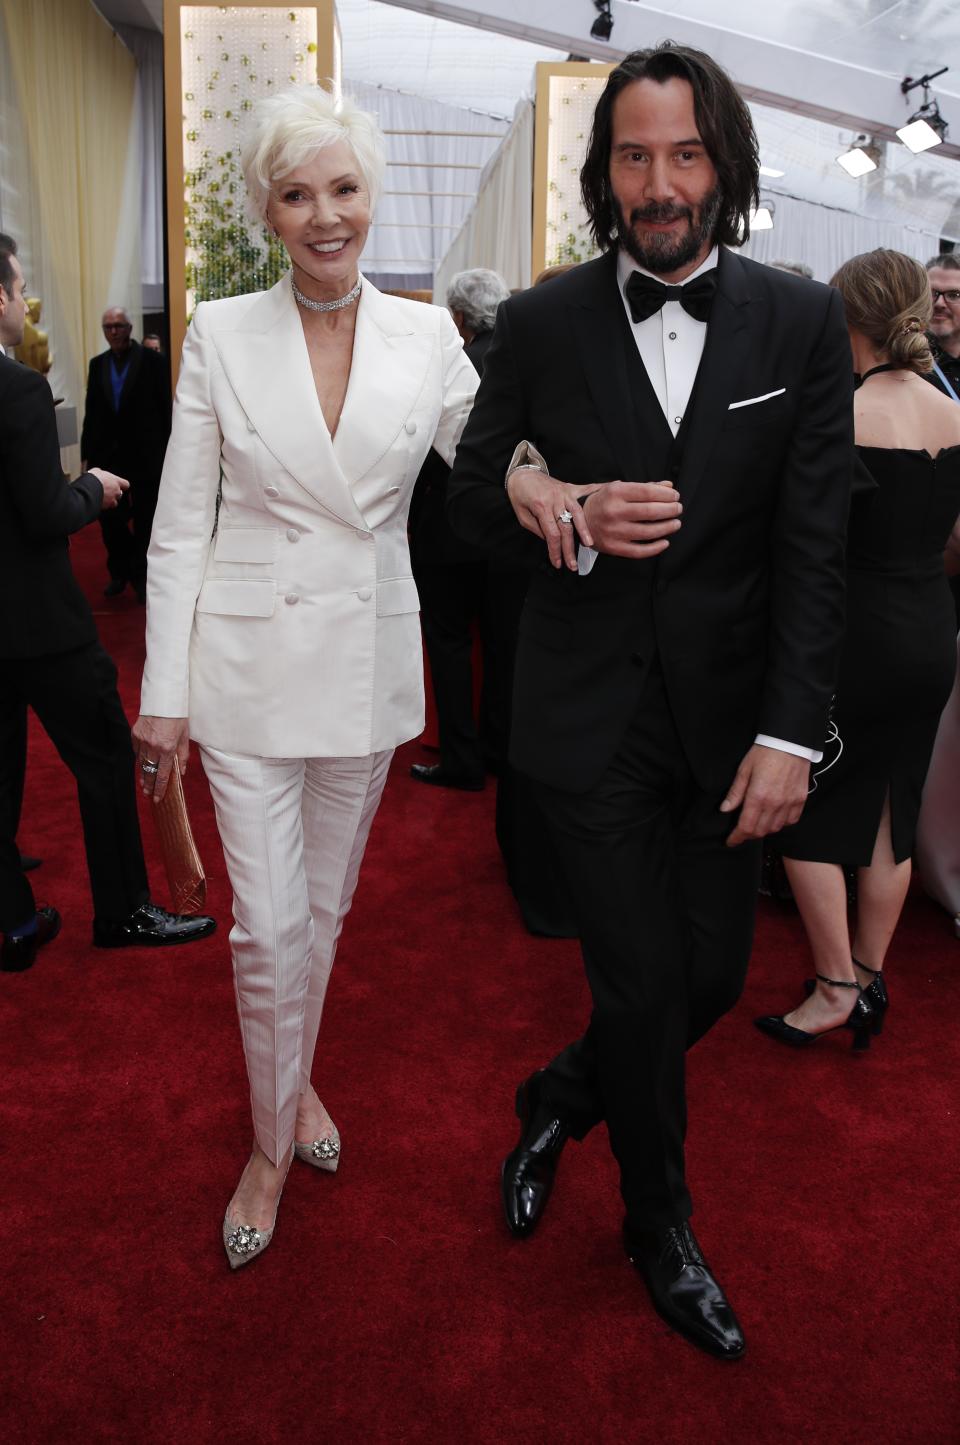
{"x": 325, "y": 1149}
{"x": 244, "y": 1239}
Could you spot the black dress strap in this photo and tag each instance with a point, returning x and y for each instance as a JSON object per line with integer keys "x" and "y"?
{"x": 886, "y": 366}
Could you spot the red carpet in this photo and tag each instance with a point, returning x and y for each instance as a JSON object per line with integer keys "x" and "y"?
{"x": 392, "y": 1306}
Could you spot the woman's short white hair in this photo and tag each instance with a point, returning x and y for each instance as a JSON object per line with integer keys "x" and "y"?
{"x": 293, "y": 125}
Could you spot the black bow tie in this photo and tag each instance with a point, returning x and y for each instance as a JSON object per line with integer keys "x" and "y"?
{"x": 645, "y": 296}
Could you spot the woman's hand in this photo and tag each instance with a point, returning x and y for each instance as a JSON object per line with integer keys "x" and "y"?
{"x": 159, "y": 740}
{"x": 539, "y": 500}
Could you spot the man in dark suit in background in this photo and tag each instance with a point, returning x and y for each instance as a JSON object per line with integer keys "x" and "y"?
{"x": 455, "y": 587}
{"x": 673, "y": 678}
{"x": 126, "y": 426}
{"x": 51, "y": 660}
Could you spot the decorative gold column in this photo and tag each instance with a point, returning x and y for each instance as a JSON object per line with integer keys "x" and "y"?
{"x": 219, "y": 60}
{"x": 567, "y": 95}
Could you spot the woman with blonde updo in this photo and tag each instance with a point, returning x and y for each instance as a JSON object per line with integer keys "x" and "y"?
{"x": 899, "y": 657}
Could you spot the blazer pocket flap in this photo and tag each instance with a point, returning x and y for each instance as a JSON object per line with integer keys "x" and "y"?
{"x": 246, "y": 544}
{"x": 238, "y": 596}
{"x": 395, "y": 595}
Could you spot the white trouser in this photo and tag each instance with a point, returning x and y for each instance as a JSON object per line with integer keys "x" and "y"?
{"x": 294, "y": 832}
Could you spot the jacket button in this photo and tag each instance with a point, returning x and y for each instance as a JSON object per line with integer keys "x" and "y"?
{"x": 250, "y": 425}
{"x": 271, "y": 492}
{"x": 363, "y": 534}
{"x": 410, "y": 427}
{"x": 365, "y": 593}
{"x": 291, "y": 599}
{"x": 392, "y": 491}
{"x": 293, "y": 535}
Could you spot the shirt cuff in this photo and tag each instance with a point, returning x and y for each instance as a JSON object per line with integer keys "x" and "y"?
{"x": 797, "y": 749}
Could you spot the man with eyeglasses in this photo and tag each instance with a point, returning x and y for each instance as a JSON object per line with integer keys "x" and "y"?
{"x": 126, "y": 425}
{"x": 944, "y": 273}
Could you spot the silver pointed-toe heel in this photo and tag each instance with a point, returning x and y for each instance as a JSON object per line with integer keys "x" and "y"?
{"x": 322, "y": 1153}
{"x": 244, "y": 1242}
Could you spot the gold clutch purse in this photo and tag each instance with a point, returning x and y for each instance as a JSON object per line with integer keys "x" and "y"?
{"x": 185, "y": 875}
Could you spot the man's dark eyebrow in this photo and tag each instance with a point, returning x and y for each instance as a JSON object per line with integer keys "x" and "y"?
{"x": 637, "y": 145}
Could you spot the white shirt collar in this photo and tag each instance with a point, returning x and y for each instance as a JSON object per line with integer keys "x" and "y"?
{"x": 626, "y": 264}
{"x": 2, "y": 352}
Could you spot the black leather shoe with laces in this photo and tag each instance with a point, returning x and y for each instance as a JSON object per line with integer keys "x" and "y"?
{"x": 528, "y": 1171}
{"x": 150, "y": 926}
{"x": 683, "y": 1290}
{"x": 437, "y": 776}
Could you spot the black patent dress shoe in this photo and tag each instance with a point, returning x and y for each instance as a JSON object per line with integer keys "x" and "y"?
{"x": 437, "y": 776}
{"x": 114, "y": 587}
{"x": 152, "y": 927}
{"x": 527, "y": 1176}
{"x": 683, "y": 1290}
{"x": 28, "y": 863}
{"x": 18, "y": 954}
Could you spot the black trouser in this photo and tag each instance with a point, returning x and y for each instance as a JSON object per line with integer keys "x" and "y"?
{"x": 126, "y": 532}
{"x": 665, "y": 915}
{"x": 452, "y": 599}
{"x": 74, "y": 694}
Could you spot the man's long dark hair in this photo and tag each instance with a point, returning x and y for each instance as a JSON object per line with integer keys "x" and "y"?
{"x": 8, "y": 248}
{"x": 725, "y": 126}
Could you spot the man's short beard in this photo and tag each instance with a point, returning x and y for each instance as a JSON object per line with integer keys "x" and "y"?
{"x": 665, "y": 253}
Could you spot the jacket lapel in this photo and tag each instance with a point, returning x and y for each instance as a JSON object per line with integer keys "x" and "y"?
{"x": 729, "y": 338}
{"x": 266, "y": 361}
{"x": 600, "y": 326}
{"x": 387, "y": 376}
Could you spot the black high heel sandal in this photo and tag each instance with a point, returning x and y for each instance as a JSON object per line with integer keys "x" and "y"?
{"x": 875, "y": 994}
{"x": 860, "y": 1020}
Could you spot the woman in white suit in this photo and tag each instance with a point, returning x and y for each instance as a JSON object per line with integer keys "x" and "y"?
{"x": 282, "y": 625}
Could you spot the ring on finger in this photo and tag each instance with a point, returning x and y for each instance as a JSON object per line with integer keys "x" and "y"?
{"x": 148, "y": 767}
{"x": 565, "y": 517}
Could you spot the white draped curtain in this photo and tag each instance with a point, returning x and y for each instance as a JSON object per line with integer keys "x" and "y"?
{"x": 436, "y": 154}
{"x": 497, "y": 233}
{"x": 146, "y": 47}
{"x": 824, "y": 238}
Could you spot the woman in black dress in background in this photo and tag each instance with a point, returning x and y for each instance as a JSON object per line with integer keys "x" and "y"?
{"x": 898, "y": 662}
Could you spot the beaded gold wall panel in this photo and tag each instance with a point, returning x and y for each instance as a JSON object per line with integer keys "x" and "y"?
{"x": 566, "y": 97}
{"x": 220, "y": 60}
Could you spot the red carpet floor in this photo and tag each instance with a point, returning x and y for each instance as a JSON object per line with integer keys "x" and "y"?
{"x": 392, "y": 1306}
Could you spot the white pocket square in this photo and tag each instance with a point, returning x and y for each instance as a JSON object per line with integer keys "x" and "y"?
{"x": 753, "y": 400}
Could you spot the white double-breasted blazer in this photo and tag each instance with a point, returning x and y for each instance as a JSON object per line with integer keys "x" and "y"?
{"x": 285, "y": 623}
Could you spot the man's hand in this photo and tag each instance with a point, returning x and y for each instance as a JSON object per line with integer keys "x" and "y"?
{"x": 538, "y": 501}
{"x": 770, "y": 789}
{"x": 113, "y": 487}
{"x": 159, "y": 740}
{"x": 633, "y": 519}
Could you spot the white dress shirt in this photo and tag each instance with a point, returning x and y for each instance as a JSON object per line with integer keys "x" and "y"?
{"x": 670, "y": 343}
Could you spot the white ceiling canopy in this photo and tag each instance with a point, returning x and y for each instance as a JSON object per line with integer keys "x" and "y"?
{"x": 839, "y": 61}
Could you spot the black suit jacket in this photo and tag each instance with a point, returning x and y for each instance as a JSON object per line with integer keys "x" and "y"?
{"x": 42, "y": 610}
{"x": 432, "y": 539}
{"x": 745, "y": 608}
{"x": 133, "y": 440}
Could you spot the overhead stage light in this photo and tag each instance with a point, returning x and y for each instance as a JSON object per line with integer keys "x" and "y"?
{"x": 761, "y": 219}
{"x": 926, "y": 127}
{"x": 602, "y": 26}
{"x": 862, "y": 157}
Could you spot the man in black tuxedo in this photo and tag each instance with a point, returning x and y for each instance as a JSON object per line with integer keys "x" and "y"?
{"x": 51, "y": 660}
{"x": 674, "y": 675}
{"x": 455, "y": 587}
{"x": 126, "y": 427}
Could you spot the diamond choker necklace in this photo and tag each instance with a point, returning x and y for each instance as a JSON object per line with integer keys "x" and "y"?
{"x": 337, "y": 305}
